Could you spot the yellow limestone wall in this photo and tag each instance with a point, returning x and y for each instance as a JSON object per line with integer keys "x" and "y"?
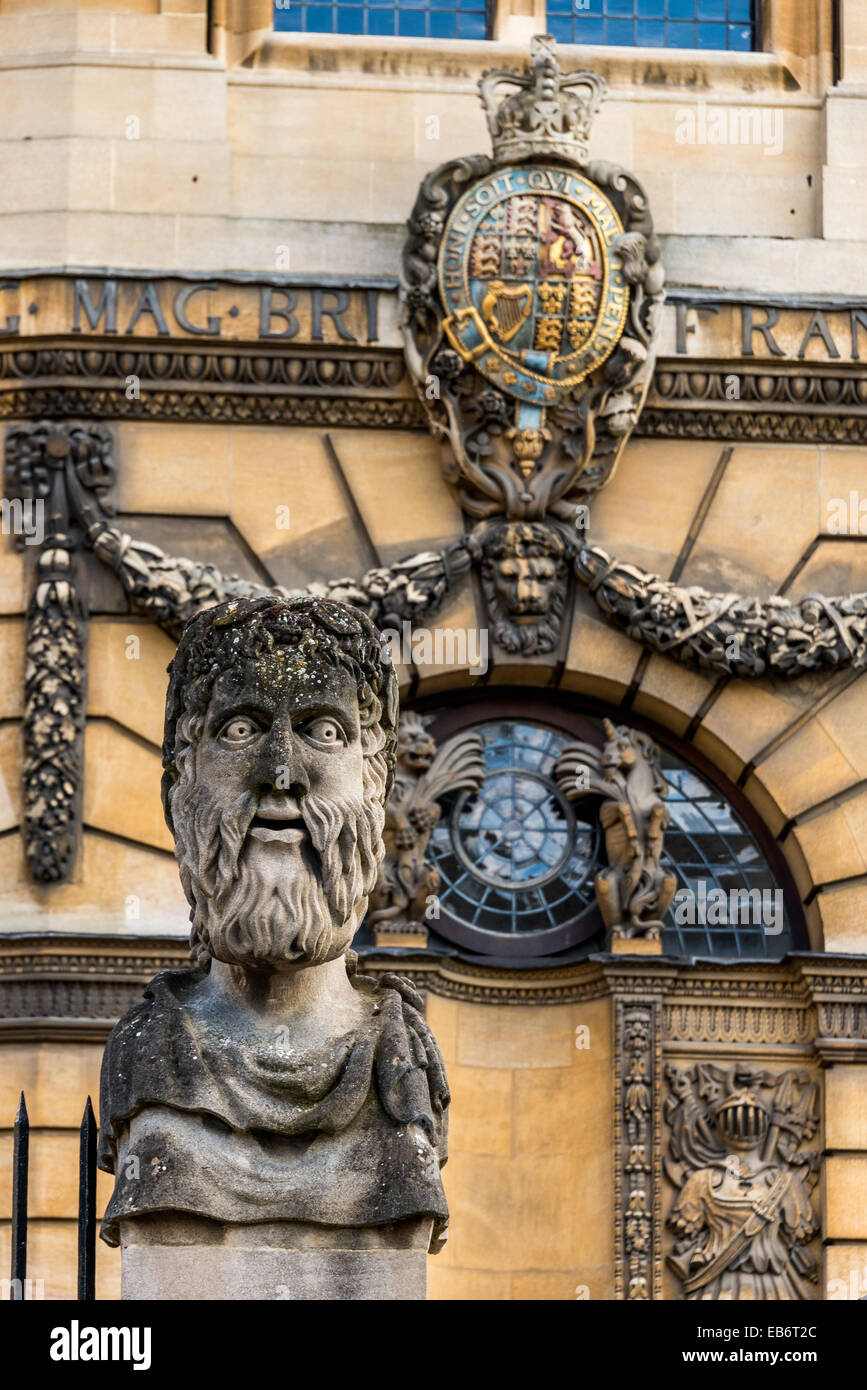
{"x": 529, "y": 1177}
{"x": 799, "y": 746}
{"x": 318, "y": 145}
{"x": 529, "y": 1180}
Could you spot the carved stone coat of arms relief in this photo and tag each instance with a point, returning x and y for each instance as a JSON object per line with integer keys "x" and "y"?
{"x": 531, "y": 292}
{"x": 536, "y": 296}
{"x": 743, "y": 1215}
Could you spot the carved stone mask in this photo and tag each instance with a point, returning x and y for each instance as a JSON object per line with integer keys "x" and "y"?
{"x": 278, "y": 767}
{"x": 524, "y": 575}
{"x": 525, "y": 581}
{"x": 525, "y": 563}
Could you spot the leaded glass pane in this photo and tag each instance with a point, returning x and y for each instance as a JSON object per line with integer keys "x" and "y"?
{"x": 706, "y": 24}
{"x": 444, "y": 19}
{"x": 518, "y": 837}
{"x": 517, "y": 857}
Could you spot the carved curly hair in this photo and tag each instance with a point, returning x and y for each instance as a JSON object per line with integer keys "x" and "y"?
{"x": 247, "y": 629}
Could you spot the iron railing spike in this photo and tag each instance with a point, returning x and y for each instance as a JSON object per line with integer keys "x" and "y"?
{"x": 20, "y": 1165}
{"x": 87, "y": 1207}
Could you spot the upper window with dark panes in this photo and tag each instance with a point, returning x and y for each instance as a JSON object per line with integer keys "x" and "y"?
{"x": 419, "y": 19}
{"x": 655, "y": 23}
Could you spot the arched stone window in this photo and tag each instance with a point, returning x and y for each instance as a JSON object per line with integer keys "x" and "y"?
{"x": 518, "y": 861}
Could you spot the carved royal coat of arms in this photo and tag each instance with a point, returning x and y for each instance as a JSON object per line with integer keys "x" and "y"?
{"x": 531, "y": 291}
{"x": 533, "y": 285}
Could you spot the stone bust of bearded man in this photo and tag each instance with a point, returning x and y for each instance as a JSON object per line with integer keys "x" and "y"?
{"x": 271, "y": 1083}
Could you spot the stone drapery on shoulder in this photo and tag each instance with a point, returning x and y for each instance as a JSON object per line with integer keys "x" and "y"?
{"x": 199, "y": 1120}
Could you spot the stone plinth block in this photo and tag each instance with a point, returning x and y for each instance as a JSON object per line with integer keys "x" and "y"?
{"x": 178, "y": 1257}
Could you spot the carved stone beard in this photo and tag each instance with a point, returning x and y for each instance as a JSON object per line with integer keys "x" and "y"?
{"x": 308, "y": 914}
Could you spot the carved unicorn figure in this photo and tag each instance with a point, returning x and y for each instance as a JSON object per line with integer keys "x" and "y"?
{"x": 633, "y": 891}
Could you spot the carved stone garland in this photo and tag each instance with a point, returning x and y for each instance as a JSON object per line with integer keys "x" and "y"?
{"x": 69, "y": 468}
{"x": 48, "y": 466}
{"x": 723, "y": 632}
{"x": 742, "y": 637}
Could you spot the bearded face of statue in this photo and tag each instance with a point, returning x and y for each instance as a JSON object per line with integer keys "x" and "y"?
{"x": 277, "y": 813}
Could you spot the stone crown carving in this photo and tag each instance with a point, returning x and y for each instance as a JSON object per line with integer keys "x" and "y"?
{"x": 548, "y": 114}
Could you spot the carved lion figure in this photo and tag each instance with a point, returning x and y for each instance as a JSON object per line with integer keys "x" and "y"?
{"x": 406, "y": 880}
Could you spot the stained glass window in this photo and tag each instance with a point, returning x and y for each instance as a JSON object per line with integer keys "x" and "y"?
{"x": 728, "y": 901}
{"x": 513, "y": 857}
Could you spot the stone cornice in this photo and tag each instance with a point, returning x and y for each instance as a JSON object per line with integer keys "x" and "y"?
{"x": 326, "y": 350}
{"x": 367, "y": 388}
{"x": 79, "y": 985}
{"x": 455, "y": 64}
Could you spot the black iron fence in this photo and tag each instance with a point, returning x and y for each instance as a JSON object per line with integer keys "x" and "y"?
{"x": 86, "y": 1204}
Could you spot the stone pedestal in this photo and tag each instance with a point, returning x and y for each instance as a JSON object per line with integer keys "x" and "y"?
{"x": 634, "y": 946}
{"x": 168, "y": 1257}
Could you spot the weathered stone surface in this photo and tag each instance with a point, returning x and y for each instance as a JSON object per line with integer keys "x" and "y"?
{"x": 245, "y": 1124}
{"x": 272, "y": 1084}
{"x": 189, "y": 1258}
{"x": 634, "y": 891}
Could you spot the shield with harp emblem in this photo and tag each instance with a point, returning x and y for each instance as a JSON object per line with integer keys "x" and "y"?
{"x": 531, "y": 280}
{"x": 505, "y": 308}
{"x": 531, "y": 297}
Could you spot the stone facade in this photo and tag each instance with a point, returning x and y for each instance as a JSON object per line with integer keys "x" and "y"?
{"x": 157, "y": 177}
